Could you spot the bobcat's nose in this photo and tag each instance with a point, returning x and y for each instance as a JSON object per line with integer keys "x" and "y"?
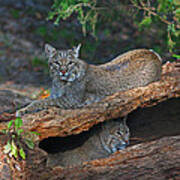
{"x": 63, "y": 72}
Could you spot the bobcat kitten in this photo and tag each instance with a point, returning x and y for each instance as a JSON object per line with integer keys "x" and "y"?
{"x": 76, "y": 83}
{"x": 111, "y": 137}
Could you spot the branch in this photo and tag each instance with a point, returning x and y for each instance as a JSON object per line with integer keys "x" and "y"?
{"x": 150, "y": 11}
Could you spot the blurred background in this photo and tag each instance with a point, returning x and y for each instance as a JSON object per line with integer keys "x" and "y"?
{"x": 105, "y": 28}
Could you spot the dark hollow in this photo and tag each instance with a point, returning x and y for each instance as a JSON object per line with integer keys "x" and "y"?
{"x": 145, "y": 125}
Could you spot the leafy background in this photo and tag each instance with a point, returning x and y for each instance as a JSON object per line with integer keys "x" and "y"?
{"x": 105, "y": 28}
{"x": 159, "y": 19}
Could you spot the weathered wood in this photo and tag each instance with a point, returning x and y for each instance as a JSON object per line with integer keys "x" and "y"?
{"x": 159, "y": 159}
{"x": 19, "y": 169}
{"x": 59, "y": 122}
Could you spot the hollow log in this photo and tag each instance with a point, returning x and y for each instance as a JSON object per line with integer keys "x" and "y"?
{"x": 158, "y": 159}
{"x": 59, "y": 122}
{"x": 153, "y": 160}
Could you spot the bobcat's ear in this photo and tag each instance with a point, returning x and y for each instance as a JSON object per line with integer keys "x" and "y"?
{"x": 76, "y": 50}
{"x": 49, "y": 50}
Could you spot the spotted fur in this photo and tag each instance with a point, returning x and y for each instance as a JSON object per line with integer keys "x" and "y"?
{"x": 76, "y": 83}
{"x": 116, "y": 137}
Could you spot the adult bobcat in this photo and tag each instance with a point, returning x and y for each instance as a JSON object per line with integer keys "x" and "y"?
{"x": 76, "y": 83}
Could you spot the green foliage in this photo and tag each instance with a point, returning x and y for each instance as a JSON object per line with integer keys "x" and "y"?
{"x": 10, "y": 124}
{"x": 147, "y": 13}
{"x": 176, "y": 56}
{"x": 17, "y": 136}
{"x": 146, "y": 22}
{"x": 85, "y": 10}
{"x": 162, "y": 11}
{"x": 18, "y": 123}
{"x": 22, "y": 153}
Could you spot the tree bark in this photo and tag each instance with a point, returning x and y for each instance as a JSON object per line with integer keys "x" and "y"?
{"x": 59, "y": 122}
{"x": 158, "y": 159}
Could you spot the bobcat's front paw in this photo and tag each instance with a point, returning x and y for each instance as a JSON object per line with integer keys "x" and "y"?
{"x": 35, "y": 106}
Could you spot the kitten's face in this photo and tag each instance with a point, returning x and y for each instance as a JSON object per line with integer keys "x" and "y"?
{"x": 64, "y": 64}
{"x": 117, "y": 136}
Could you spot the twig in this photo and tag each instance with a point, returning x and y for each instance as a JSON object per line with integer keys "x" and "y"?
{"x": 147, "y": 9}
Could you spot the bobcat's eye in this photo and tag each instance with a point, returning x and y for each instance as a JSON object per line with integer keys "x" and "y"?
{"x": 56, "y": 63}
{"x": 70, "y": 63}
{"x": 119, "y": 133}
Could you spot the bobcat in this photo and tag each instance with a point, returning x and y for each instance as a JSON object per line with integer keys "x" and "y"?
{"x": 76, "y": 83}
{"x": 111, "y": 137}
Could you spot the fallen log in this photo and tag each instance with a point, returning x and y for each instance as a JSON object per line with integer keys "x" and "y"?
{"x": 158, "y": 159}
{"x": 60, "y": 122}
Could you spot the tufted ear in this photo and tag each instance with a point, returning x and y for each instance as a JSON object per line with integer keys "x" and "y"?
{"x": 76, "y": 50}
{"x": 49, "y": 50}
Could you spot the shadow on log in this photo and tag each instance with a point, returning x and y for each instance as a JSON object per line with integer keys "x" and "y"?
{"x": 158, "y": 159}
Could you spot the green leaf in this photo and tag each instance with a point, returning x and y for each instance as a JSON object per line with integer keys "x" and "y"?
{"x": 171, "y": 28}
{"x": 36, "y": 133}
{"x": 57, "y": 20}
{"x": 176, "y": 33}
{"x": 19, "y": 131}
{"x": 10, "y": 124}
{"x": 18, "y": 123}
{"x": 176, "y": 56}
{"x": 177, "y": 11}
{"x": 171, "y": 43}
{"x": 51, "y": 15}
{"x": 145, "y": 22}
{"x": 22, "y": 153}
{"x": 13, "y": 136}
{"x": 7, "y": 148}
{"x": 4, "y": 131}
{"x": 29, "y": 143}
{"x": 14, "y": 149}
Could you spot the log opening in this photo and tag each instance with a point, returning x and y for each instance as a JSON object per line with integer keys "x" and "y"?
{"x": 151, "y": 159}
{"x": 146, "y": 124}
